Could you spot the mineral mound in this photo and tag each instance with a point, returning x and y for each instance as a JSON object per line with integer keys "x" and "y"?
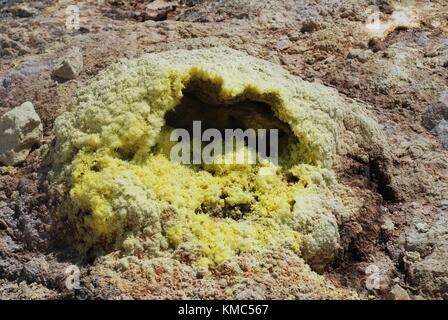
{"x": 120, "y": 191}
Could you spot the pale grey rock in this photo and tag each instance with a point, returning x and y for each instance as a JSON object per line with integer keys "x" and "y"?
{"x": 255, "y": 293}
{"x": 283, "y": 44}
{"x": 429, "y": 273}
{"x": 422, "y": 227}
{"x": 70, "y": 67}
{"x": 441, "y": 130}
{"x": 410, "y": 258}
{"x": 388, "y": 225}
{"x": 360, "y": 54}
{"x": 436, "y": 112}
{"x": 20, "y": 130}
{"x": 398, "y": 293}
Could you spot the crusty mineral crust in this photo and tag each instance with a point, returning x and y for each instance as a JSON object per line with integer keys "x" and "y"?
{"x": 117, "y": 190}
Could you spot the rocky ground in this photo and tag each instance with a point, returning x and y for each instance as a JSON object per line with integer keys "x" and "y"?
{"x": 393, "y": 57}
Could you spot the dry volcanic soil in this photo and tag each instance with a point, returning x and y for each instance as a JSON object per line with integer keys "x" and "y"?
{"x": 353, "y": 206}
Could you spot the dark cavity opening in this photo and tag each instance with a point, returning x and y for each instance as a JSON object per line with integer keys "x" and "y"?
{"x": 243, "y": 114}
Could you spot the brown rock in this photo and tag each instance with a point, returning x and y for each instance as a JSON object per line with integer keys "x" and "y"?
{"x": 398, "y": 293}
{"x": 376, "y": 44}
{"x": 310, "y": 26}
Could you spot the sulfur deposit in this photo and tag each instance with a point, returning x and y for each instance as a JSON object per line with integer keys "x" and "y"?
{"x": 123, "y": 192}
